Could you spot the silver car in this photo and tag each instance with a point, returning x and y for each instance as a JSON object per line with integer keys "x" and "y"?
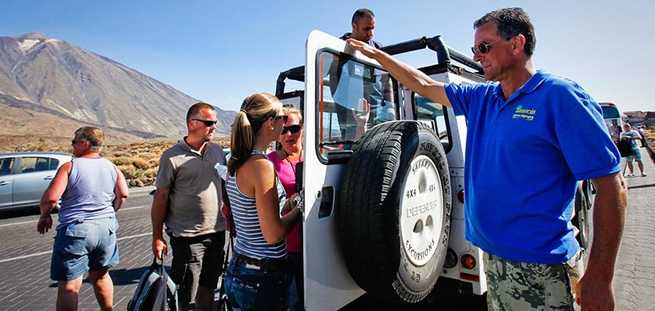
{"x": 25, "y": 176}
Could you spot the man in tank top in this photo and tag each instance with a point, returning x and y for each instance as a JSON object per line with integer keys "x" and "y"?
{"x": 91, "y": 189}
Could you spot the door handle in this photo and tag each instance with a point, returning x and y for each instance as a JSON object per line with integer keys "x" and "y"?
{"x": 2, "y": 183}
{"x": 47, "y": 178}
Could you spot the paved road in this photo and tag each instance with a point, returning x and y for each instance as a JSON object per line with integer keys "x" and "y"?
{"x": 25, "y": 259}
{"x": 25, "y": 255}
{"x": 634, "y": 281}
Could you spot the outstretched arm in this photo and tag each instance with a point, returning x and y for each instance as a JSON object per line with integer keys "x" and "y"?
{"x": 411, "y": 77}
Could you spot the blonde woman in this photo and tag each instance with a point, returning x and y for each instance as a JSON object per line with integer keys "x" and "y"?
{"x": 258, "y": 276}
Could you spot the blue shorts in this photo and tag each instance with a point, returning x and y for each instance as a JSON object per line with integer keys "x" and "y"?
{"x": 83, "y": 246}
{"x": 636, "y": 155}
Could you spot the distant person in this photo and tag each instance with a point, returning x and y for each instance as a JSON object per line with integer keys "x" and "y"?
{"x": 531, "y": 137}
{"x": 284, "y": 161}
{"x": 91, "y": 190}
{"x": 633, "y": 136}
{"x": 188, "y": 200}
{"x": 258, "y": 275}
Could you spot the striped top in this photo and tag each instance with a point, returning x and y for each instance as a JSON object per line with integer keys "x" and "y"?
{"x": 249, "y": 240}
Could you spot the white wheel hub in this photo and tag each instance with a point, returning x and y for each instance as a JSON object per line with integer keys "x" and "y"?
{"x": 421, "y": 211}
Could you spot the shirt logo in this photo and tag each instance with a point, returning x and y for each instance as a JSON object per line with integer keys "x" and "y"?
{"x": 524, "y": 113}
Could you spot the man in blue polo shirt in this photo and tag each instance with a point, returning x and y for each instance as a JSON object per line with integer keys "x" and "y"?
{"x": 531, "y": 136}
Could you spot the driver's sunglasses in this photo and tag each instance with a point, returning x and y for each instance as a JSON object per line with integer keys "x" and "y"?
{"x": 207, "y": 123}
{"x": 482, "y": 48}
{"x": 293, "y": 129}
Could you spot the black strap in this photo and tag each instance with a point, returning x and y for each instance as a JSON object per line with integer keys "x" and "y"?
{"x": 225, "y": 263}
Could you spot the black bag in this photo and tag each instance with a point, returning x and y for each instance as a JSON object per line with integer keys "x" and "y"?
{"x": 156, "y": 289}
{"x": 625, "y": 147}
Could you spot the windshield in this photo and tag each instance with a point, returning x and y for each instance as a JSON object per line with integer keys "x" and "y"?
{"x": 352, "y": 97}
{"x": 610, "y": 112}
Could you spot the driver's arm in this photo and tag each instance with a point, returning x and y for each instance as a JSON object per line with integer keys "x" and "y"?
{"x": 411, "y": 77}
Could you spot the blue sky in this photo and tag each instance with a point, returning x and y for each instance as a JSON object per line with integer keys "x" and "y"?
{"x": 221, "y": 52}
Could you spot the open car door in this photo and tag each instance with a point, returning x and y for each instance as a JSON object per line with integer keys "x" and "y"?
{"x": 345, "y": 94}
{"x": 328, "y": 139}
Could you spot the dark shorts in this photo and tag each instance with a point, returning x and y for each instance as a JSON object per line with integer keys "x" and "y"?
{"x": 196, "y": 262}
{"x": 83, "y": 246}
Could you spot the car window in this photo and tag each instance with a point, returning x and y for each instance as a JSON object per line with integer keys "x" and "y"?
{"x": 34, "y": 164}
{"x": 54, "y": 163}
{"x": 434, "y": 115}
{"x": 346, "y": 86}
{"x": 5, "y": 166}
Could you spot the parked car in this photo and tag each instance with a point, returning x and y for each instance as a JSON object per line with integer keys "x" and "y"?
{"x": 25, "y": 176}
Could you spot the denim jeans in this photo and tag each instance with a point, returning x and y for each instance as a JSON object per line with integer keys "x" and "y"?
{"x": 82, "y": 246}
{"x": 251, "y": 288}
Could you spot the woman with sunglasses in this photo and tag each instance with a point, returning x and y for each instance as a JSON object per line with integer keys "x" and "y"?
{"x": 258, "y": 276}
{"x": 285, "y": 160}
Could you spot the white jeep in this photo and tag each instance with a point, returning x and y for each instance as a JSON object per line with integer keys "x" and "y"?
{"x": 384, "y": 205}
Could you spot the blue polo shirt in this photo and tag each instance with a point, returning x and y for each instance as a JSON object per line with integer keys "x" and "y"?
{"x": 524, "y": 156}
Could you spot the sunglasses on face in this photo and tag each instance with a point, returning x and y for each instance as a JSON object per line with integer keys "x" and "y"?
{"x": 482, "y": 48}
{"x": 207, "y": 123}
{"x": 293, "y": 129}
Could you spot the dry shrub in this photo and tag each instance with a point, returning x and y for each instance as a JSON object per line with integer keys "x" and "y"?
{"x": 148, "y": 155}
{"x": 140, "y": 163}
{"x": 122, "y": 161}
{"x": 153, "y": 163}
{"x": 150, "y": 173}
{"x": 128, "y": 170}
{"x": 119, "y": 154}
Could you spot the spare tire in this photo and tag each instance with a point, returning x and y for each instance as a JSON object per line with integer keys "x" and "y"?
{"x": 394, "y": 211}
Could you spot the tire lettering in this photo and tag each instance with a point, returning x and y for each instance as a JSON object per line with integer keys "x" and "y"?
{"x": 421, "y": 209}
{"x": 419, "y": 255}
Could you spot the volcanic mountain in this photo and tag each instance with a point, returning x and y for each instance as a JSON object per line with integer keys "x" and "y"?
{"x": 58, "y": 79}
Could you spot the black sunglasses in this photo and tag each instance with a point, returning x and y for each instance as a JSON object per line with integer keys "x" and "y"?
{"x": 291, "y": 128}
{"x": 207, "y": 123}
{"x": 482, "y": 48}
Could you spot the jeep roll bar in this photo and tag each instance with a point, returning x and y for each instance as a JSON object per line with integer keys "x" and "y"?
{"x": 444, "y": 56}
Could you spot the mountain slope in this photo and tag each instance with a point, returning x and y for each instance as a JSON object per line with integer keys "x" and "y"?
{"x": 70, "y": 81}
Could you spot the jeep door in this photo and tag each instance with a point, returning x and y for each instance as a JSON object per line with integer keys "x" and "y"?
{"x": 339, "y": 86}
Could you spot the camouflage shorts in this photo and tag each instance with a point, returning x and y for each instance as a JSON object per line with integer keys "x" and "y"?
{"x": 527, "y": 286}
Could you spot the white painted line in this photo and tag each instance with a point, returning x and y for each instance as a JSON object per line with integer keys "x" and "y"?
{"x": 25, "y": 256}
{"x": 49, "y": 252}
{"x": 35, "y": 221}
{"x": 19, "y": 223}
